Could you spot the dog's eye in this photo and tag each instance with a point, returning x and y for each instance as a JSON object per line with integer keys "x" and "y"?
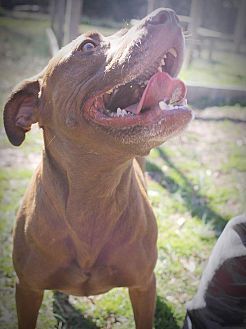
{"x": 88, "y": 46}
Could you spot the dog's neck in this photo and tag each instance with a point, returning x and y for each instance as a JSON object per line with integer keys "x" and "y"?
{"x": 93, "y": 194}
{"x": 87, "y": 179}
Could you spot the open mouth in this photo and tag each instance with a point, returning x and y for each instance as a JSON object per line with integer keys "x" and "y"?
{"x": 144, "y": 101}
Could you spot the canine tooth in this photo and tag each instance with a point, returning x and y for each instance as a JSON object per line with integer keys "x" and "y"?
{"x": 159, "y": 69}
{"x": 123, "y": 113}
{"x": 183, "y": 102}
{"x": 173, "y": 52}
{"x": 163, "y": 105}
{"x": 162, "y": 62}
{"x": 165, "y": 56}
{"x": 119, "y": 113}
{"x": 109, "y": 92}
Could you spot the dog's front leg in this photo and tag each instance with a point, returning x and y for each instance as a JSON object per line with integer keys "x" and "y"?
{"x": 28, "y": 303}
{"x": 143, "y": 303}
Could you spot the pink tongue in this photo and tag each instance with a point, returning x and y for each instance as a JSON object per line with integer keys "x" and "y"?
{"x": 161, "y": 87}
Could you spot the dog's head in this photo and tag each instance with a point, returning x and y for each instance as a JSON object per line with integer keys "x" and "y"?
{"x": 119, "y": 90}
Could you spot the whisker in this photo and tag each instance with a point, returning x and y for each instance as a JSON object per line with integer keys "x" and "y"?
{"x": 52, "y": 139}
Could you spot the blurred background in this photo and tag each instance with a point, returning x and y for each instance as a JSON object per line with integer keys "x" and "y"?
{"x": 196, "y": 182}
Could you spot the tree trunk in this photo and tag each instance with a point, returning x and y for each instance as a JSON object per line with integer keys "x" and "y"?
{"x": 240, "y": 25}
{"x": 57, "y": 19}
{"x": 150, "y": 6}
{"x": 196, "y": 17}
{"x": 72, "y": 20}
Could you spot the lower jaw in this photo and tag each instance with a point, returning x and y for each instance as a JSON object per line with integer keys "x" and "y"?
{"x": 148, "y": 129}
{"x": 147, "y": 118}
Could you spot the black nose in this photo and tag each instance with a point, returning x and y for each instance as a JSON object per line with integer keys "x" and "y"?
{"x": 162, "y": 16}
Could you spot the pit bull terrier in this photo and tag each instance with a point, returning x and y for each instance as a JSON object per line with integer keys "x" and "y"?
{"x": 86, "y": 225}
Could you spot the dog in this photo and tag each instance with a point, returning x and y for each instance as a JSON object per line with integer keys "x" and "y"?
{"x": 86, "y": 225}
{"x": 220, "y": 301}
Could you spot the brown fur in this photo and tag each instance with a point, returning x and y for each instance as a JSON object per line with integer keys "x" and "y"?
{"x": 85, "y": 225}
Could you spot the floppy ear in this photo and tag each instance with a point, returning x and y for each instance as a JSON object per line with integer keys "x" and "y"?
{"x": 20, "y": 111}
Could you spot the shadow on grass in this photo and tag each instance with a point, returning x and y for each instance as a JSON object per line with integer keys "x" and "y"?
{"x": 67, "y": 316}
{"x": 164, "y": 315}
{"x": 196, "y": 203}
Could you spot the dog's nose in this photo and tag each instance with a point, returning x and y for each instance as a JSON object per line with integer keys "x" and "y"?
{"x": 163, "y": 16}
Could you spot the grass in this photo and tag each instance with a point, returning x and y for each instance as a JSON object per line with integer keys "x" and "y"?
{"x": 219, "y": 71}
{"x": 196, "y": 183}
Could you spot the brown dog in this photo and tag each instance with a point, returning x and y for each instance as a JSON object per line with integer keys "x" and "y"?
{"x": 86, "y": 225}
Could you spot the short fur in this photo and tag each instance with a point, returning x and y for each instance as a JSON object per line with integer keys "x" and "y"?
{"x": 86, "y": 225}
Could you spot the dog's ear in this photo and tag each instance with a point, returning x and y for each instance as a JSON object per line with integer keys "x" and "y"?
{"x": 20, "y": 111}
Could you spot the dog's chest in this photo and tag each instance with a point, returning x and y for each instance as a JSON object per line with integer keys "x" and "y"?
{"x": 115, "y": 268}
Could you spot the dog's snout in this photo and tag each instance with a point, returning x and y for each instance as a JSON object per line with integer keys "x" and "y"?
{"x": 163, "y": 16}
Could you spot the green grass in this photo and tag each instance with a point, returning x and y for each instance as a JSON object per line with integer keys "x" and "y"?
{"x": 196, "y": 183}
{"x": 226, "y": 69}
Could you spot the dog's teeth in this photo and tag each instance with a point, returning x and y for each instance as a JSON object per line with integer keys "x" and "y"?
{"x": 183, "y": 102}
{"x": 159, "y": 69}
{"x": 163, "y": 62}
{"x": 173, "y": 52}
{"x": 165, "y": 56}
{"x": 109, "y": 92}
{"x": 163, "y": 105}
{"x": 118, "y": 112}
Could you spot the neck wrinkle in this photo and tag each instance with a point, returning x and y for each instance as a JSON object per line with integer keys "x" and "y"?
{"x": 87, "y": 177}
{"x": 92, "y": 193}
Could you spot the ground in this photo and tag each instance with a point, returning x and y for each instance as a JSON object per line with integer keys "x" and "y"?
{"x": 196, "y": 183}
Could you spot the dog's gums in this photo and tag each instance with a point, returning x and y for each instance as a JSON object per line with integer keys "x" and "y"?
{"x": 148, "y": 102}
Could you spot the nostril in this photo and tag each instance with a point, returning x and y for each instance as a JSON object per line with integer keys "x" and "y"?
{"x": 160, "y": 18}
{"x": 164, "y": 16}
